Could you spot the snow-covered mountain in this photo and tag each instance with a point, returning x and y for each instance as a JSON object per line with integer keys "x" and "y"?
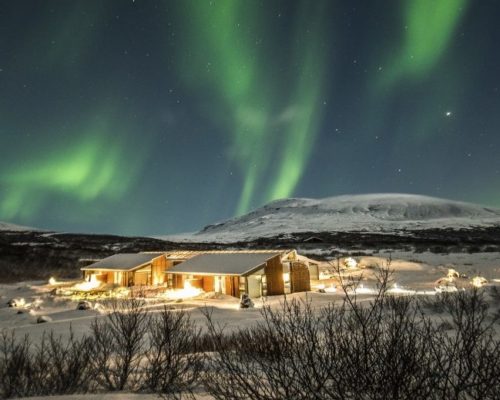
{"x": 356, "y": 213}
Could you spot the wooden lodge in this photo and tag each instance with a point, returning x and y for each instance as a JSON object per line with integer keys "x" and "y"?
{"x": 128, "y": 269}
{"x": 232, "y": 272}
{"x": 258, "y": 274}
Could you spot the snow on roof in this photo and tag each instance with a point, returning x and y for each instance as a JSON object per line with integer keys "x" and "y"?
{"x": 222, "y": 263}
{"x": 187, "y": 254}
{"x": 122, "y": 262}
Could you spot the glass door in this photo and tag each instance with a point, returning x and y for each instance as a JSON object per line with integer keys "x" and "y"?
{"x": 263, "y": 285}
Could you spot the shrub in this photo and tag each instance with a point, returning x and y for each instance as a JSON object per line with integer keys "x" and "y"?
{"x": 118, "y": 343}
{"x": 385, "y": 349}
{"x": 15, "y": 366}
{"x": 173, "y": 359}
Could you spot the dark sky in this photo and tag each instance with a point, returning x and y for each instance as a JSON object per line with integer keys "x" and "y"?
{"x": 155, "y": 117}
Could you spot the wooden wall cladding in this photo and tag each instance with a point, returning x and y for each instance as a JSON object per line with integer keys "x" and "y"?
{"x": 274, "y": 276}
{"x": 299, "y": 277}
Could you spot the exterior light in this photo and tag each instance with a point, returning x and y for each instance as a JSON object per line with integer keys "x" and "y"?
{"x": 478, "y": 281}
{"x": 350, "y": 262}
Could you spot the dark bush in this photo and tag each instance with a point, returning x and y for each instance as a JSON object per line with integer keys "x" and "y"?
{"x": 55, "y": 366}
{"x": 384, "y": 349}
{"x": 174, "y": 358}
{"x": 118, "y": 343}
{"x": 15, "y": 366}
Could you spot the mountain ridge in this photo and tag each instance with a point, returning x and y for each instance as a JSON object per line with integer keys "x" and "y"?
{"x": 379, "y": 212}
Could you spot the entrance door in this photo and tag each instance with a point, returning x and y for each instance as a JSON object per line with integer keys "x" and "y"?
{"x": 220, "y": 284}
{"x": 263, "y": 285}
{"x": 232, "y": 286}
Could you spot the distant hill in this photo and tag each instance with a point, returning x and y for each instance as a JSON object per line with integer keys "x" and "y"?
{"x": 4, "y": 226}
{"x": 373, "y": 213}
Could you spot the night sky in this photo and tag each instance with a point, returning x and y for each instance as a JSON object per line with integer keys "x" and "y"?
{"x": 154, "y": 117}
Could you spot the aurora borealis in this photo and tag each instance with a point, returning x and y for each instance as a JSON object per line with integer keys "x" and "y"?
{"x": 153, "y": 117}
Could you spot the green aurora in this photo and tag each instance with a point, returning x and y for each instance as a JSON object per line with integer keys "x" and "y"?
{"x": 243, "y": 80}
{"x": 161, "y": 116}
{"x": 93, "y": 168}
{"x": 428, "y": 27}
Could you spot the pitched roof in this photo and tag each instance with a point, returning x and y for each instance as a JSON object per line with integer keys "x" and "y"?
{"x": 122, "y": 262}
{"x": 186, "y": 254}
{"x": 222, "y": 264}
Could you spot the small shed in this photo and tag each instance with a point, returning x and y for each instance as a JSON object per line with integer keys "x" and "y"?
{"x": 128, "y": 269}
{"x": 255, "y": 273}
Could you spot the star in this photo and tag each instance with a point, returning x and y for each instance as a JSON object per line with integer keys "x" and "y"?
{"x": 448, "y": 113}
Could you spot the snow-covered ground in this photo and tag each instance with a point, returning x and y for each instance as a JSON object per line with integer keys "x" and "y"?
{"x": 360, "y": 213}
{"x": 415, "y": 272}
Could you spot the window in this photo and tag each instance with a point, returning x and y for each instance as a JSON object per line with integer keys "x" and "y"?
{"x": 243, "y": 285}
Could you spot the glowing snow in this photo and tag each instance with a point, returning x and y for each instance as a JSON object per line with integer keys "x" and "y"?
{"x": 189, "y": 291}
{"x": 91, "y": 284}
{"x": 478, "y": 281}
{"x": 350, "y": 263}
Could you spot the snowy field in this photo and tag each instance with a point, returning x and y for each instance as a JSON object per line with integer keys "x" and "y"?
{"x": 414, "y": 273}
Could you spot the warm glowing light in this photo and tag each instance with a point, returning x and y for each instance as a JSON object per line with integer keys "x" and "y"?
{"x": 350, "y": 262}
{"x": 52, "y": 281}
{"x": 189, "y": 291}
{"x": 478, "y": 281}
{"x": 396, "y": 289}
{"x": 86, "y": 286}
{"x": 325, "y": 275}
{"x": 361, "y": 289}
{"x": 326, "y": 289}
{"x": 452, "y": 274}
{"x": 286, "y": 277}
{"x": 446, "y": 289}
{"x": 91, "y": 284}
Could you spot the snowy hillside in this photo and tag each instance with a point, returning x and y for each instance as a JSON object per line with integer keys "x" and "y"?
{"x": 4, "y": 226}
{"x": 356, "y": 213}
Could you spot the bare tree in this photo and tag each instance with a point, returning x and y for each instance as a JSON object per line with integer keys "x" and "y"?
{"x": 384, "y": 348}
{"x": 69, "y": 364}
{"x": 118, "y": 342}
{"x": 256, "y": 365}
{"x": 15, "y": 365}
{"x": 173, "y": 360}
{"x": 468, "y": 355}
